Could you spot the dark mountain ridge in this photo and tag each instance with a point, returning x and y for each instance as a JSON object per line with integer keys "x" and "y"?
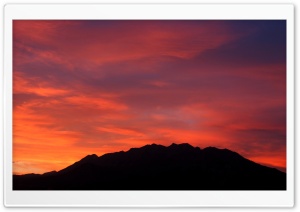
{"x": 157, "y": 167}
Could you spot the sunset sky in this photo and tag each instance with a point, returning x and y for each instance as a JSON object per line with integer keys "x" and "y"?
{"x": 93, "y": 87}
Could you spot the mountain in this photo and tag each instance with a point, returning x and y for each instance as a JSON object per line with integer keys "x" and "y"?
{"x": 157, "y": 167}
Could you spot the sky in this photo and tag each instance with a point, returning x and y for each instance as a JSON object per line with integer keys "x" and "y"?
{"x": 97, "y": 86}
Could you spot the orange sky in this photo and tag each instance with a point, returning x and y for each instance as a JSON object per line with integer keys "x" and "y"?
{"x": 84, "y": 87}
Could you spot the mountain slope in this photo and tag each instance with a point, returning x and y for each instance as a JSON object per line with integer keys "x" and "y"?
{"x": 156, "y": 167}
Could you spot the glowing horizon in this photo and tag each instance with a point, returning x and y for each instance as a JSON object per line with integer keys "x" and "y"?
{"x": 94, "y": 87}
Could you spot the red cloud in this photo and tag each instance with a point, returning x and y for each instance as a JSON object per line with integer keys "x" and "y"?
{"x": 83, "y": 87}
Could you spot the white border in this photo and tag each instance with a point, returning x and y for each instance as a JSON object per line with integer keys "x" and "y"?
{"x": 147, "y": 198}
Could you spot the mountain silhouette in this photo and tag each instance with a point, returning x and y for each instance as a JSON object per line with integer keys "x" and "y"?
{"x": 157, "y": 167}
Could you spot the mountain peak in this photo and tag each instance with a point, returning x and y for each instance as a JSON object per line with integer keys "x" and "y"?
{"x": 210, "y": 148}
{"x": 148, "y": 146}
{"x": 157, "y": 167}
{"x": 182, "y": 145}
{"x": 89, "y": 158}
